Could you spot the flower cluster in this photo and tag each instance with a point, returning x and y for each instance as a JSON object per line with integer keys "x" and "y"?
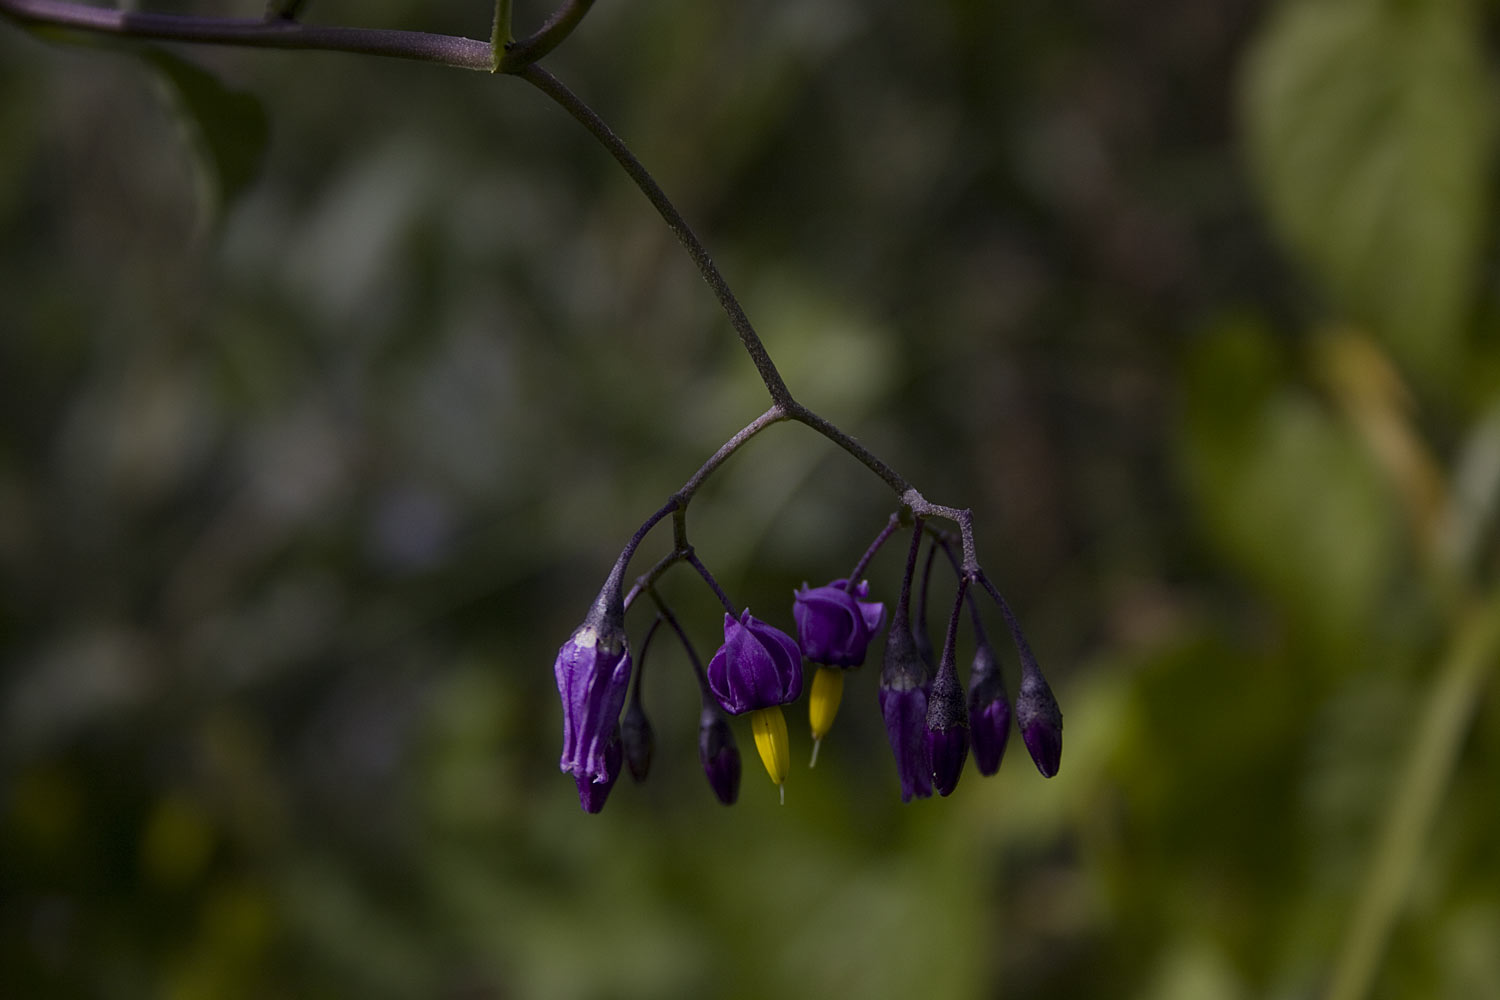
{"x": 758, "y": 669}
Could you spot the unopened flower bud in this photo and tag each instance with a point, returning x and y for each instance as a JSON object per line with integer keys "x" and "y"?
{"x": 1040, "y": 721}
{"x": 989, "y": 710}
{"x": 903, "y": 705}
{"x": 719, "y": 755}
{"x": 593, "y": 674}
{"x": 638, "y": 740}
{"x": 947, "y": 727}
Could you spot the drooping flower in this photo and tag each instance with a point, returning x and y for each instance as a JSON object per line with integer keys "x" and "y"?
{"x": 834, "y": 625}
{"x": 593, "y": 793}
{"x": 1040, "y": 721}
{"x": 834, "y": 628}
{"x": 719, "y": 754}
{"x": 989, "y": 710}
{"x": 757, "y": 670}
{"x": 757, "y": 667}
{"x": 903, "y": 704}
{"x": 593, "y": 675}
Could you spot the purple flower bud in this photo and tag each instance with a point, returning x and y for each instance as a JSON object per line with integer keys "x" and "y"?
{"x": 720, "y": 756}
{"x": 593, "y": 674}
{"x": 989, "y": 710}
{"x": 947, "y": 727}
{"x": 638, "y": 740}
{"x": 592, "y": 794}
{"x": 1040, "y": 721}
{"x": 834, "y": 626}
{"x": 903, "y": 704}
{"x": 757, "y": 667}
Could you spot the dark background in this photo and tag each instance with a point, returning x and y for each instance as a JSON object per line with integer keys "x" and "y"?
{"x": 1193, "y": 302}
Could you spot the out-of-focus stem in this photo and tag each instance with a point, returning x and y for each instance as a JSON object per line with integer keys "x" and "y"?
{"x": 1414, "y": 801}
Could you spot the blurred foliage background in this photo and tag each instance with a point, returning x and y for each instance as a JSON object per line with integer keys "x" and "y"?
{"x": 1194, "y": 302}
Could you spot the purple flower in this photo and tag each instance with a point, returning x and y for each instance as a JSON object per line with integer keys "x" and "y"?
{"x": 593, "y": 674}
{"x": 591, "y": 793}
{"x": 719, "y": 755}
{"x": 989, "y": 710}
{"x": 1040, "y": 721}
{"x": 835, "y": 626}
{"x": 903, "y": 704}
{"x": 757, "y": 667}
{"x": 946, "y": 729}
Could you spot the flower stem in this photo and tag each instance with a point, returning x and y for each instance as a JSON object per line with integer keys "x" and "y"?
{"x": 447, "y": 50}
{"x": 549, "y": 36}
{"x": 589, "y": 119}
{"x": 859, "y": 568}
{"x": 708, "y": 578}
{"x": 902, "y": 618}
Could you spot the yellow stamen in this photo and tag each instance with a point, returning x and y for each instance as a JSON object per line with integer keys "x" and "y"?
{"x": 769, "y": 727}
{"x": 823, "y": 705}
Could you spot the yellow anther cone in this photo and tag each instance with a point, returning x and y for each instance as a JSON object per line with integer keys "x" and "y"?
{"x": 823, "y": 705}
{"x": 769, "y": 727}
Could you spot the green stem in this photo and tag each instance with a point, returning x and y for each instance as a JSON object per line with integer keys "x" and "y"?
{"x": 1414, "y": 803}
{"x": 500, "y": 36}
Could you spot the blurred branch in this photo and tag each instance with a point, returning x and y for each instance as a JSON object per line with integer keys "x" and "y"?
{"x": 1370, "y": 390}
{"x": 447, "y": 50}
{"x": 1413, "y": 805}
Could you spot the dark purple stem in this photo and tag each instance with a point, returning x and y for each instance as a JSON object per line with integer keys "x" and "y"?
{"x": 665, "y": 613}
{"x": 519, "y": 55}
{"x": 864, "y": 560}
{"x": 447, "y": 50}
{"x": 708, "y": 578}
{"x": 945, "y": 540}
{"x": 1023, "y": 648}
{"x": 903, "y": 604}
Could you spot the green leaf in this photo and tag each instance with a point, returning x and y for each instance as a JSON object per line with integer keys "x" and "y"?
{"x": 227, "y": 129}
{"x": 1368, "y": 124}
{"x": 1285, "y": 490}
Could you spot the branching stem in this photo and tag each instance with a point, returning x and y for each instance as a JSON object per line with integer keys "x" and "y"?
{"x": 500, "y": 54}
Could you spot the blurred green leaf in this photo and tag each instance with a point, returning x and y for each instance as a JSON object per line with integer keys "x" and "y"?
{"x": 1369, "y": 128}
{"x": 1285, "y": 490}
{"x": 226, "y": 129}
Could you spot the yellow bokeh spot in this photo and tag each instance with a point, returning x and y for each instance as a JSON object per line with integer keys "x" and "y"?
{"x": 769, "y": 727}
{"x": 177, "y": 842}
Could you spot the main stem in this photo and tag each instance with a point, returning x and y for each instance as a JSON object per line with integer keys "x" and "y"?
{"x": 517, "y": 59}
{"x": 448, "y": 50}
{"x": 589, "y": 119}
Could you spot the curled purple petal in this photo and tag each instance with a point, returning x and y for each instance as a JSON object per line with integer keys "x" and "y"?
{"x": 757, "y": 667}
{"x": 834, "y": 627}
{"x": 592, "y": 793}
